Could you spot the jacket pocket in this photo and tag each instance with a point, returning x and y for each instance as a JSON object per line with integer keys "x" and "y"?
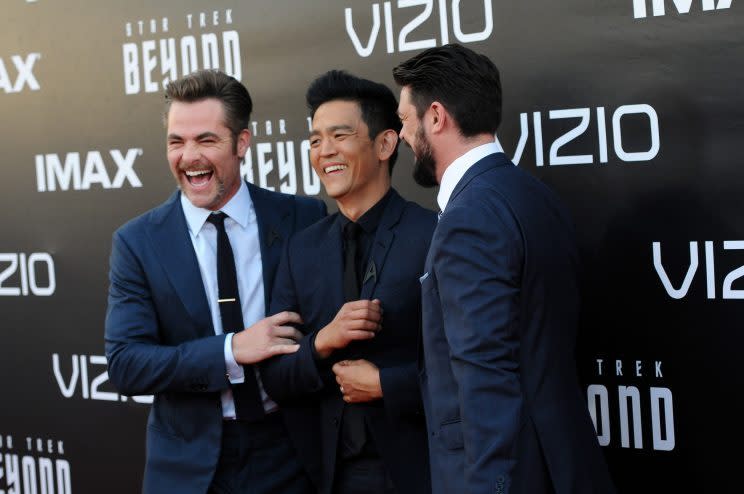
{"x": 451, "y": 434}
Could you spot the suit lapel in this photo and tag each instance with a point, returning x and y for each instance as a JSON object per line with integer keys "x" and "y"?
{"x": 330, "y": 257}
{"x": 274, "y": 219}
{"x": 170, "y": 239}
{"x": 381, "y": 246}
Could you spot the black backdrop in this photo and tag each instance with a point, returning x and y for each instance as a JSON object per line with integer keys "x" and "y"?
{"x": 630, "y": 109}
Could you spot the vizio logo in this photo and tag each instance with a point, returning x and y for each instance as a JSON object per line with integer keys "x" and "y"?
{"x": 727, "y": 291}
{"x": 596, "y": 117}
{"x": 407, "y": 31}
{"x": 36, "y": 274}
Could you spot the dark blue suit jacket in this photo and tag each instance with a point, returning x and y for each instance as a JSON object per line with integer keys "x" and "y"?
{"x": 500, "y": 306}
{"x": 160, "y": 339}
{"x": 310, "y": 281}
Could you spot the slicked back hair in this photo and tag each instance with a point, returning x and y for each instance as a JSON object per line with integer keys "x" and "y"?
{"x": 466, "y": 83}
{"x": 376, "y": 101}
{"x": 205, "y": 84}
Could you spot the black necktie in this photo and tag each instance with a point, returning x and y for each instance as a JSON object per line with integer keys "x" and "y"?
{"x": 351, "y": 281}
{"x": 248, "y": 403}
{"x": 353, "y": 429}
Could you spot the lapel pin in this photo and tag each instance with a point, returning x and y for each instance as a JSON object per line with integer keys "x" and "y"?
{"x": 371, "y": 272}
{"x": 273, "y": 235}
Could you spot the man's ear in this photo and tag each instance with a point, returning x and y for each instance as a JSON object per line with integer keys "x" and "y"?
{"x": 437, "y": 116}
{"x": 386, "y": 142}
{"x": 244, "y": 142}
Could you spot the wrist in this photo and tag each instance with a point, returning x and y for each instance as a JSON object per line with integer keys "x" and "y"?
{"x": 322, "y": 348}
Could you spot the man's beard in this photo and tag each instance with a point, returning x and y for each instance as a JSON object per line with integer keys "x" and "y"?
{"x": 424, "y": 167}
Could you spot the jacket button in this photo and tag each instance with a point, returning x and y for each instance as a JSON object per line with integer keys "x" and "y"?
{"x": 335, "y": 421}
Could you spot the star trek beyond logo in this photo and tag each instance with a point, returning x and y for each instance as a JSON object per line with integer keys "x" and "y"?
{"x": 658, "y": 7}
{"x": 399, "y": 25}
{"x": 111, "y": 169}
{"x": 33, "y": 464}
{"x": 160, "y": 50}
{"x": 86, "y": 377}
{"x": 17, "y": 73}
{"x": 272, "y": 160}
{"x": 633, "y": 408}
{"x": 580, "y": 136}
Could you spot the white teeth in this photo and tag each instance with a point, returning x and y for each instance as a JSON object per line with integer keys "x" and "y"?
{"x": 196, "y": 173}
{"x": 334, "y": 168}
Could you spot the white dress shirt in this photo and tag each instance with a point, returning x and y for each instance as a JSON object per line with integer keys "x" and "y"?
{"x": 455, "y": 171}
{"x": 242, "y": 230}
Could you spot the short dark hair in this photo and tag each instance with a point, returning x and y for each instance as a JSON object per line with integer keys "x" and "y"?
{"x": 465, "y": 82}
{"x": 376, "y": 101}
{"x": 205, "y": 84}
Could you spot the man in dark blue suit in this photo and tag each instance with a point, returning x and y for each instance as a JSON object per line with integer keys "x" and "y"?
{"x": 353, "y": 277}
{"x": 500, "y": 297}
{"x": 186, "y": 278}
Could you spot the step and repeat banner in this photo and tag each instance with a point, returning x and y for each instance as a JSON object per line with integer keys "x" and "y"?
{"x": 632, "y": 110}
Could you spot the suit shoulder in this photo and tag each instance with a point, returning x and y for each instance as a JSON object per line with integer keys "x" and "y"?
{"x": 282, "y": 197}
{"x": 315, "y": 232}
{"x": 424, "y": 219}
{"x": 137, "y": 224}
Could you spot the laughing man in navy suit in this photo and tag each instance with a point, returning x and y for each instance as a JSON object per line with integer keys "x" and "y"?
{"x": 500, "y": 297}
{"x": 353, "y": 277}
{"x": 186, "y": 278}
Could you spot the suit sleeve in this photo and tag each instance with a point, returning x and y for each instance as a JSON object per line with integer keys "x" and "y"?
{"x": 401, "y": 390}
{"x": 289, "y": 377}
{"x": 477, "y": 262}
{"x": 137, "y": 361}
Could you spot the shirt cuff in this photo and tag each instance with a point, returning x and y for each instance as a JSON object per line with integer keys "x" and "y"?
{"x": 234, "y": 370}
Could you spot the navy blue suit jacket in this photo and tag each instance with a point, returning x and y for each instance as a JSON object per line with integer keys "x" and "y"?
{"x": 500, "y": 303}
{"x": 160, "y": 339}
{"x": 310, "y": 281}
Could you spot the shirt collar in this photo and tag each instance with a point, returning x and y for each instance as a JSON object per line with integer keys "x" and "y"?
{"x": 457, "y": 169}
{"x": 370, "y": 220}
{"x": 239, "y": 208}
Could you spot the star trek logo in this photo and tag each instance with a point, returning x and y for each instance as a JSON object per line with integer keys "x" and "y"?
{"x": 632, "y": 408}
{"x": 283, "y": 162}
{"x": 32, "y": 465}
{"x": 157, "y": 53}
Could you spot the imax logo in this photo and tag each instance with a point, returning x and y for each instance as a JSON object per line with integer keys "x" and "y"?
{"x": 24, "y": 74}
{"x": 682, "y": 6}
{"x": 53, "y": 172}
{"x": 445, "y": 7}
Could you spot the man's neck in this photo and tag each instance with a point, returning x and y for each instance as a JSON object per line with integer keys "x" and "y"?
{"x": 354, "y": 207}
{"x": 455, "y": 147}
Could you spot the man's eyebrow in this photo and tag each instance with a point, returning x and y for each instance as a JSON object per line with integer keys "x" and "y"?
{"x": 175, "y": 137}
{"x": 204, "y": 135}
{"x": 333, "y": 128}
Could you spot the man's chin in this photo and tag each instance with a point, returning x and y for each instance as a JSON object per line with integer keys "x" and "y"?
{"x": 200, "y": 199}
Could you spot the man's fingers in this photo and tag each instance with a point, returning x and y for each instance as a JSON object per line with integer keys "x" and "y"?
{"x": 284, "y": 318}
{"x": 282, "y": 341}
{"x": 360, "y": 334}
{"x": 364, "y": 325}
{"x": 282, "y": 349}
{"x": 366, "y": 314}
{"x": 287, "y": 332}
